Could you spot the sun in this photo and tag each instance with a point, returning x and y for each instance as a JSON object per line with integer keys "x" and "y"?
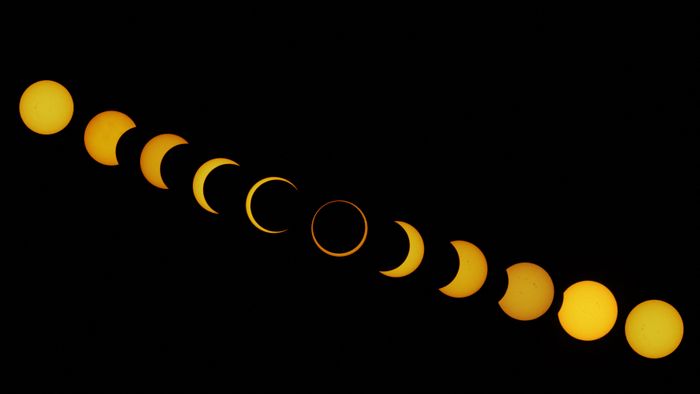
{"x": 46, "y": 107}
{"x": 471, "y": 273}
{"x": 530, "y": 292}
{"x": 152, "y": 156}
{"x": 102, "y": 135}
{"x": 343, "y": 253}
{"x": 654, "y": 329}
{"x": 589, "y": 310}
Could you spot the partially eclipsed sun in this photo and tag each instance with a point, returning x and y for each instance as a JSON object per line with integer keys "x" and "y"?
{"x": 152, "y": 157}
{"x": 201, "y": 176}
{"x": 102, "y": 135}
{"x": 471, "y": 273}
{"x": 589, "y": 310}
{"x": 530, "y": 292}
{"x": 249, "y": 202}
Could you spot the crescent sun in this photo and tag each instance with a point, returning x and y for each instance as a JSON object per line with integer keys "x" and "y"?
{"x": 471, "y": 273}
{"x": 249, "y": 200}
{"x": 201, "y": 176}
{"x": 414, "y": 257}
{"x": 152, "y": 157}
{"x": 348, "y": 252}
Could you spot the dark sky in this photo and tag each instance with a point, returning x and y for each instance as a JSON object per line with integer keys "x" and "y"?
{"x": 567, "y": 140}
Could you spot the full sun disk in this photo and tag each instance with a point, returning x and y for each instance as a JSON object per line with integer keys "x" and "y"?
{"x": 46, "y": 107}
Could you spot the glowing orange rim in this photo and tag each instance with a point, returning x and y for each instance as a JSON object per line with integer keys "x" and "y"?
{"x": 339, "y": 254}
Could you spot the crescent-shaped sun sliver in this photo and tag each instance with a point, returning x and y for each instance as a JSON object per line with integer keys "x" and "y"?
{"x": 348, "y": 252}
{"x": 201, "y": 176}
{"x": 152, "y": 157}
{"x": 414, "y": 257}
{"x": 471, "y": 273}
{"x": 102, "y": 135}
{"x": 249, "y": 201}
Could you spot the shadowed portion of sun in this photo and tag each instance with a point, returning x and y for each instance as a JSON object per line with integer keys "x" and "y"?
{"x": 46, "y": 107}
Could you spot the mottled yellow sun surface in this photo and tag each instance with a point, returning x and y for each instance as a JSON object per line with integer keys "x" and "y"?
{"x": 654, "y": 329}
{"x": 46, "y": 107}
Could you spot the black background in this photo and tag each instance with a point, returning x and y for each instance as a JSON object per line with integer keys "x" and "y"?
{"x": 568, "y": 139}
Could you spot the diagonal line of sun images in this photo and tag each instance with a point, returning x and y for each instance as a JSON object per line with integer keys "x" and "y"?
{"x": 653, "y": 328}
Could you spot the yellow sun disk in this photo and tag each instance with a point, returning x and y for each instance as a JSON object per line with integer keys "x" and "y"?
{"x": 152, "y": 157}
{"x": 102, "y": 135}
{"x": 530, "y": 292}
{"x": 348, "y": 252}
{"x": 471, "y": 273}
{"x": 46, "y": 107}
{"x": 654, "y": 329}
{"x": 589, "y": 310}
{"x": 201, "y": 176}
{"x": 249, "y": 202}
{"x": 414, "y": 257}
